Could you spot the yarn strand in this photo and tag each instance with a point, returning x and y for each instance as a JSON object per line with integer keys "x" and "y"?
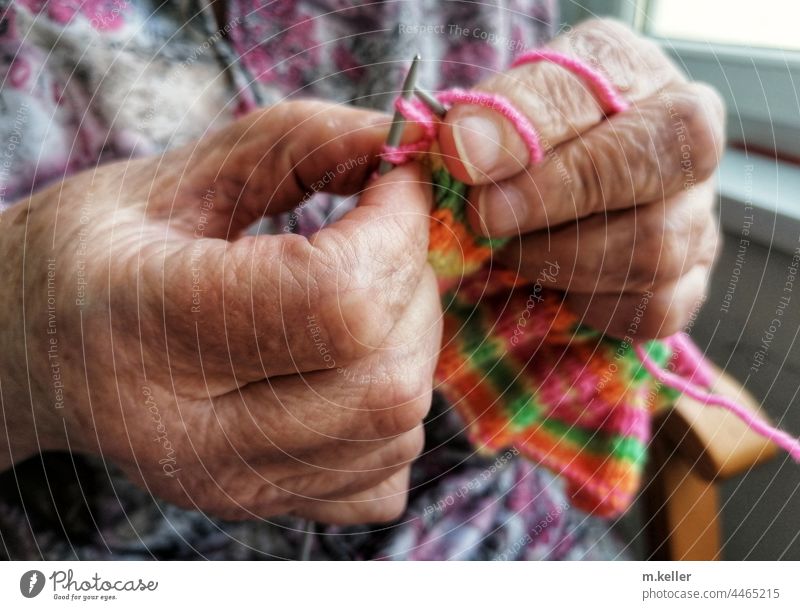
{"x": 755, "y": 423}
{"x": 415, "y": 110}
{"x": 603, "y": 90}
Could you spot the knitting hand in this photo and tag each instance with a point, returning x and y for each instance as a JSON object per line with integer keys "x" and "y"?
{"x": 245, "y": 376}
{"x": 624, "y": 205}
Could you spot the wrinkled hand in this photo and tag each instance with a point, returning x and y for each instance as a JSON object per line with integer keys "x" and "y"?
{"x": 245, "y": 376}
{"x": 623, "y": 206}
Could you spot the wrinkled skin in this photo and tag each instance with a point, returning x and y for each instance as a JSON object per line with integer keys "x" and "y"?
{"x": 256, "y": 376}
{"x": 625, "y": 206}
{"x": 248, "y": 399}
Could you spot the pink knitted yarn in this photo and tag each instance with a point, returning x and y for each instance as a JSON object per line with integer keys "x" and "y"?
{"x": 412, "y": 110}
{"x": 417, "y": 111}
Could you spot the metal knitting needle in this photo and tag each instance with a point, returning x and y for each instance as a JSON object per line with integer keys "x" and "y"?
{"x": 398, "y": 120}
{"x": 430, "y": 101}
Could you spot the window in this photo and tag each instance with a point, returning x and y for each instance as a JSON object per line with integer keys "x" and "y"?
{"x": 766, "y": 23}
{"x": 749, "y": 51}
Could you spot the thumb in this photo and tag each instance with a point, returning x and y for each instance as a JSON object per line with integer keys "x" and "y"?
{"x": 557, "y": 89}
{"x": 481, "y": 146}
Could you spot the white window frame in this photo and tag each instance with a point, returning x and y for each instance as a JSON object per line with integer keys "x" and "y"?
{"x": 760, "y": 88}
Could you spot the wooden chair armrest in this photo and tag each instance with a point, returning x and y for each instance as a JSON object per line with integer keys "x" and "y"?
{"x": 713, "y": 441}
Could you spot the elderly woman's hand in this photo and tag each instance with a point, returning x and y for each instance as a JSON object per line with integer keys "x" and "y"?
{"x": 624, "y": 205}
{"x": 245, "y": 376}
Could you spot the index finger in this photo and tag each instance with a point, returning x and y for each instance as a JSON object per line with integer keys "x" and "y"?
{"x": 481, "y": 146}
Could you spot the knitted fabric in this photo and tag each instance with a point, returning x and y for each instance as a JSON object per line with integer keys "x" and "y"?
{"x": 522, "y": 372}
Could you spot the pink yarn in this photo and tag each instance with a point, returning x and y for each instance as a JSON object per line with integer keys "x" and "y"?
{"x": 685, "y": 386}
{"x": 691, "y": 362}
{"x": 496, "y": 102}
{"x": 604, "y": 91}
{"x": 412, "y": 110}
{"x": 417, "y": 111}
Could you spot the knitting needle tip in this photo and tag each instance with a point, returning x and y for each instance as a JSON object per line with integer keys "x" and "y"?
{"x": 398, "y": 121}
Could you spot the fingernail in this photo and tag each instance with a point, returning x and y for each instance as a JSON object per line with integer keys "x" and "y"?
{"x": 503, "y": 210}
{"x": 478, "y": 142}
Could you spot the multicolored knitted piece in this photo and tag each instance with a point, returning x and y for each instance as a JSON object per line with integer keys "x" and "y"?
{"x": 522, "y": 372}
{"x": 517, "y": 364}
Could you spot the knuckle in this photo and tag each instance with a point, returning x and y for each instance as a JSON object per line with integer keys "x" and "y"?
{"x": 355, "y": 322}
{"x": 673, "y": 256}
{"x": 402, "y": 451}
{"x": 413, "y": 412}
{"x": 413, "y": 391}
{"x": 588, "y": 189}
{"x": 649, "y": 238}
{"x": 402, "y": 404}
{"x": 660, "y": 251}
{"x": 703, "y": 238}
{"x": 635, "y": 64}
{"x": 700, "y": 153}
{"x": 342, "y": 309}
{"x": 410, "y": 447}
{"x": 349, "y": 300}
{"x": 417, "y": 444}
